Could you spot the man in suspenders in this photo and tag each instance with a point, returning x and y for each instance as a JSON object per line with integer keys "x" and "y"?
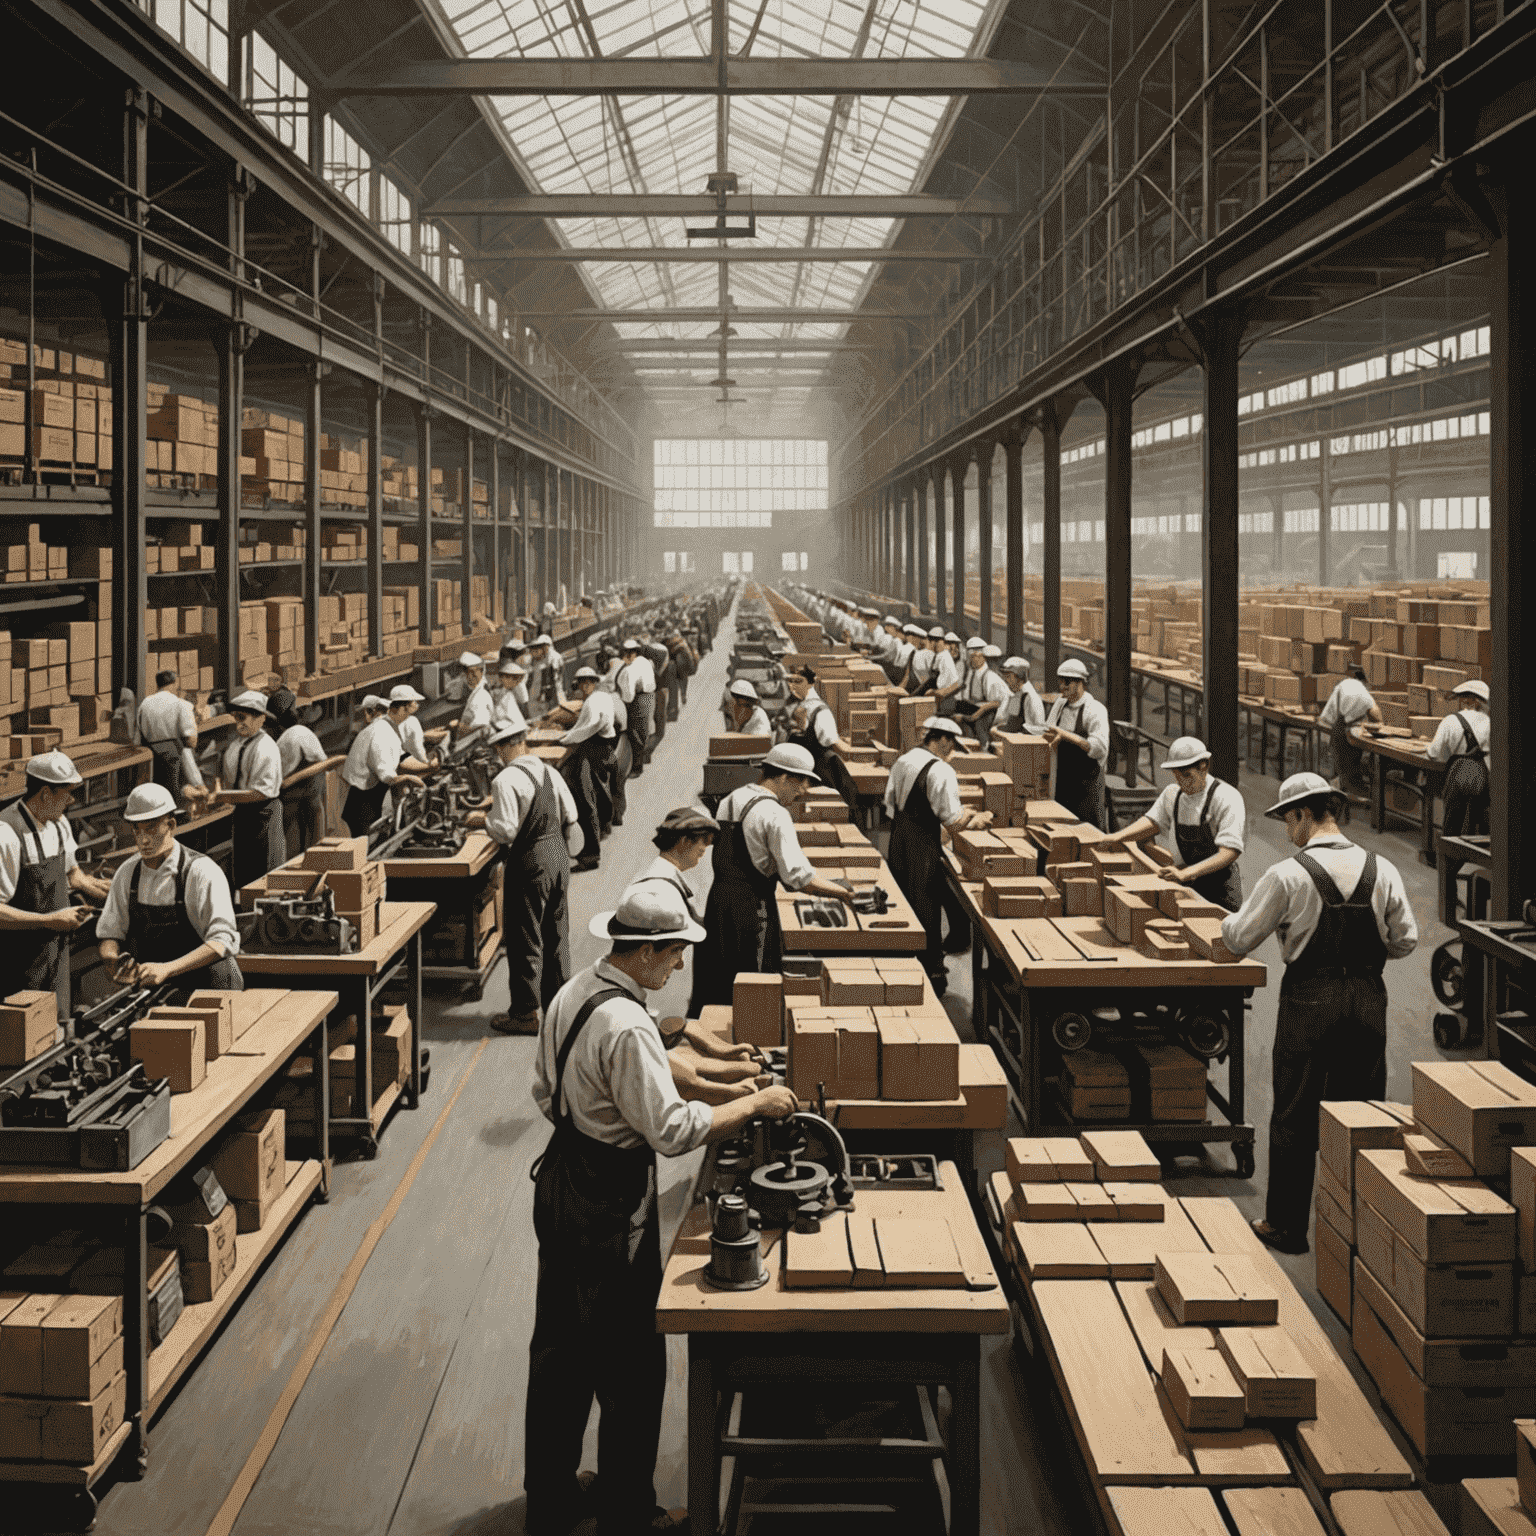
{"x": 1022, "y": 710}
{"x": 922, "y": 796}
{"x": 531, "y": 817}
{"x": 1462, "y": 743}
{"x": 167, "y": 724}
{"x": 604, "y": 1081}
{"x": 1206, "y": 817}
{"x": 1340, "y": 914}
{"x": 38, "y": 873}
{"x": 253, "y": 785}
{"x": 981, "y": 692}
{"x": 589, "y": 769}
{"x": 819, "y": 737}
{"x": 1078, "y": 732}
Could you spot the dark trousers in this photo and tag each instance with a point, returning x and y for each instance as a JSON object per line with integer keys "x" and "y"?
{"x": 594, "y": 1335}
{"x": 641, "y": 717}
{"x": 537, "y": 932}
{"x": 363, "y": 807}
{"x": 1330, "y": 1043}
{"x": 304, "y": 814}
{"x": 675, "y": 685}
{"x": 589, "y": 772}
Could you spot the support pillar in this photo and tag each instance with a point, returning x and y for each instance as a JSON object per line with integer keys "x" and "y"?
{"x": 959, "y": 469}
{"x": 1117, "y": 398}
{"x": 984, "y": 455}
{"x": 922, "y": 494}
{"x": 940, "y": 552}
{"x": 1220, "y": 339}
{"x": 1053, "y": 418}
{"x": 375, "y": 520}
{"x": 226, "y": 570}
{"x": 424, "y": 517}
{"x": 467, "y": 536}
{"x": 498, "y": 578}
{"x": 1013, "y": 516}
{"x": 313, "y": 426}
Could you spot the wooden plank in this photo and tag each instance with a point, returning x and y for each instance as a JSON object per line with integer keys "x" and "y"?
{"x": 1277, "y": 1383}
{"x": 1166, "y": 1512}
{"x": 918, "y": 1253}
{"x": 1138, "y": 1202}
{"x": 1271, "y": 1512}
{"x": 1377, "y": 1512}
{"x": 1132, "y": 1246}
{"x": 864, "y": 1251}
{"x": 1153, "y": 1323}
{"x": 1490, "y": 1506}
{"x": 1214, "y": 1288}
{"x": 1202, "y": 1389}
{"x": 1059, "y": 1250}
{"x": 819, "y": 1258}
{"x": 1122, "y": 1157}
{"x": 1346, "y": 1445}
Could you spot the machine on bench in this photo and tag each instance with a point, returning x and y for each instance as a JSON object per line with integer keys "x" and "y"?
{"x": 85, "y": 1103}
{"x": 430, "y": 819}
{"x": 823, "y": 912}
{"x": 306, "y": 924}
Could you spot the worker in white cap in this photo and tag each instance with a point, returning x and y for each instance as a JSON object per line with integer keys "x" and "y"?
{"x": 1350, "y": 704}
{"x": 747, "y": 715}
{"x": 890, "y": 650}
{"x": 533, "y": 818}
{"x": 373, "y": 705}
{"x": 589, "y": 768}
{"x": 303, "y": 758}
{"x": 506, "y": 708}
{"x": 474, "y": 722}
{"x": 1206, "y": 818}
{"x": 636, "y": 684}
{"x": 909, "y": 640}
{"x": 923, "y": 664}
{"x": 757, "y": 851}
{"x": 1340, "y": 913}
{"x": 252, "y": 782}
{"x": 947, "y": 676}
{"x": 546, "y": 677}
{"x": 1022, "y": 710}
{"x": 168, "y": 916}
{"x": 39, "y": 871}
{"x": 922, "y": 799}
{"x": 819, "y": 735}
{"x": 376, "y": 759}
{"x": 1461, "y": 742}
{"x": 604, "y": 1080}
{"x": 167, "y": 726}
{"x": 982, "y": 691}
{"x": 413, "y": 739}
{"x": 1078, "y": 732}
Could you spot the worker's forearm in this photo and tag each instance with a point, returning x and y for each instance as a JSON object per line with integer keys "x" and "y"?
{"x": 983, "y": 710}
{"x": 1138, "y": 831}
{"x": 195, "y": 959}
{"x": 826, "y": 889}
{"x": 1222, "y": 859}
{"x": 240, "y": 796}
{"x": 727, "y": 1119}
{"x": 10, "y": 917}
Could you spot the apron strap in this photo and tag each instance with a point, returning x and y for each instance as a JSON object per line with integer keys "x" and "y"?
{"x": 1473, "y": 751}
{"x": 919, "y": 783}
{"x": 36, "y": 833}
{"x": 1326, "y": 888}
{"x": 585, "y": 1012}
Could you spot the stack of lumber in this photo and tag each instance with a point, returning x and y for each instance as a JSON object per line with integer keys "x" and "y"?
{"x": 1504, "y": 1506}
{"x": 1443, "y": 1311}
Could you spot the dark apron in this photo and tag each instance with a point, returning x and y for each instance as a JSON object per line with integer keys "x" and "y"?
{"x": 256, "y": 829}
{"x": 42, "y": 886}
{"x": 1346, "y": 941}
{"x": 363, "y": 807}
{"x": 304, "y": 811}
{"x": 1346, "y": 755}
{"x": 589, "y": 771}
{"x": 741, "y": 919}
{"x": 1465, "y": 790}
{"x": 157, "y": 935}
{"x": 1079, "y": 777}
{"x": 916, "y": 861}
{"x": 829, "y": 766}
{"x": 919, "y": 685}
{"x": 167, "y": 764}
{"x": 1198, "y": 843}
{"x": 536, "y": 921}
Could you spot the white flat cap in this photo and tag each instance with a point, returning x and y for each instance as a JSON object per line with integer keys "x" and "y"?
{"x": 1017, "y": 664}
{"x": 543, "y": 640}
{"x": 951, "y": 638}
{"x": 510, "y": 668}
{"x": 506, "y": 731}
{"x": 1072, "y": 667}
{"x": 991, "y": 652}
{"x": 912, "y": 629}
{"x": 149, "y": 802}
{"x": 250, "y": 703}
{"x": 630, "y": 645}
{"x": 375, "y": 701}
{"x": 788, "y": 758}
{"x": 936, "y": 633}
{"x": 583, "y": 674}
{"x": 743, "y": 689}
{"x": 652, "y": 912}
{"x": 54, "y": 767}
{"x": 1186, "y": 752}
{"x": 937, "y": 723}
{"x": 403, "y": 693}
{"x": 1473, "y": 688}
{"x": 469, "y": 659}
{"x": 975, "y": 643}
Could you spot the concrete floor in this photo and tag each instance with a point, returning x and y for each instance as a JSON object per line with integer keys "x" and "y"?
{"x": 410, "y": 1420}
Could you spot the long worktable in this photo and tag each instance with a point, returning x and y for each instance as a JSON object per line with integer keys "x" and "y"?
{"x": 1387, "y": 751}
{"x": 459, "y": 887}
{"x": 896, "y": 931}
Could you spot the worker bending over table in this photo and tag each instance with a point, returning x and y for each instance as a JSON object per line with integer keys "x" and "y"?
{"x": 167, "y": 726}
{"x": 923, "y": 663}
{"x": 819, "y": 734}
{"x": 38, "y": 872}
{"x": 532, "y": 816}
{"x": 946, "y": 674}
{"x": 1341, "y": 913}
{"x": 757, "y": 850}
{"x": 1023, "y": 709}
{"x": 604, "y": 1081}
{"x": 1462, "y": 744}
{"x": 922, "y": 797}
{"x": 252, "y": 773}
{"x": 474, "y": 722}
{"x": 168, "y": 915}
{"x": 982, "y": 691}
{"x": 589, "y": 769}
{"x": 300, "y": 754}
{"x": 1206, "y": 816}
{"x": 376, "y": 760}
{"x": 1081, "y": 747}
{"x": 747, "y": 715}
{"x": 1350, "y": 704}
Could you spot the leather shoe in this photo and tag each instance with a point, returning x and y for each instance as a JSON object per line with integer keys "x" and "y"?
{"x": 1281, "y": 1242}
{"x": 522, "y": 1024}
{"x": 586, "y": 864}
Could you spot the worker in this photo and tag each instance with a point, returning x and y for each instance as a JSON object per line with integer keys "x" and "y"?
{"x": 637, "y": 688}
{"x": 947, "y": 677}
{"x": 1461, "y": 742}
{"x": 680, "y": 667}
{"x": 506, "y": 708}
{"x": 589, "y": 768}
{"x": 532, "y": 817}
{"x": 819, "y": 735}
{"x": 474, "y": 721}
{"x": 683, "y": 838}
{"x": 414, "y": 741}
{"x": 168, "y": 915}
{"x": 922, "y": 796}
{"x": 982, "y": 690}
{"x": 660, "y": 656}
{"x": 167, "y": 725}
{"x": 253, "y": 785}
{"x": 375, "y": 760}
{"x": 39, "y": 870}
{"x": 546, "y": 677}
{"x": 300, "y": 755}
{"x": 603, "y": 1080}
{"x": 747, "y": 715}
{"x": 1081, "y": 749}
{"x": 901, "y": 660}
{"x": 373, "y": 705}
{"x": 923, "y": 666}
{"x": 757, "y": 850}
{"x": 1022, "y": 710}
{"x": 1350, "y": 704}
{"x": 1340, "y": 913}
{"x": 1205, "y": 816}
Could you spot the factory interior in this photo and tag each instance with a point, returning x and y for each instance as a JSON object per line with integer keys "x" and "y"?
{"x": 761, "y": 768}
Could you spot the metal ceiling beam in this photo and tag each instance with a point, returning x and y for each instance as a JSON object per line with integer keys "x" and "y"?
{"x": 707, "y": 77}
{"x": 630, "y": 205}
{"x": 709, "y": 255}
{"x": 737, "y": 345}
{"x": 756, "y": 315}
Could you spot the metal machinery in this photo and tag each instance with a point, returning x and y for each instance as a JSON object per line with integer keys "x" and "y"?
{"x": 430, "y": 819}
{"x": 84, "y": 1103}
{"x": 299, "y": 925}
{"x": 820, "y": 912}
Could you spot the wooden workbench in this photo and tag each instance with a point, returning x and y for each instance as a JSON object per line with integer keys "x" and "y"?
{"x": 881, "y": 1339}
{"x": 1390, "y": 747}
{"x": 894, "y": 932}
{"x": 456, "y": 886}
{"x": 357, "y": 980}
{"x": 120, "y": 1201}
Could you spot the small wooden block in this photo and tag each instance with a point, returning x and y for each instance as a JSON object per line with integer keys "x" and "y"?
{"x": 1122, "y": 1157}
{"x": 1277, "y": 1383}
{"x": 813, "y": 1259}
{"x": 1214, "y": 1288}
{"x": 1430, "y": 1158}
{"x": 1073, "y": 1164}
{"x": 918, "y": 1253}
{"x": 1271, "y": 1512}
{"x": 1202, "y": 1389}
{"x": 1204, "y": 936}
{"x": 1093, "y": 1202}
{"x": 1046, "y": 1202}
{"x": 1062, "y": 1250}
{"x": 865, "y": 1253}
{"x": 1137, "y": 1202}
{"x": 1029, "y": 1161}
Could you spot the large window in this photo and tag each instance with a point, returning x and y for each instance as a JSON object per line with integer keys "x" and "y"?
{"x": 737, "y": 482}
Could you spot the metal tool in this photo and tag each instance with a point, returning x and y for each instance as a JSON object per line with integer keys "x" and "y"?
{"x": 820, "y": 912}
{"x": 430, "y": 819}
{"x": 735, "y": 1248}
{"x": 297, "y": 925}
{"x": 791, "y": 1172}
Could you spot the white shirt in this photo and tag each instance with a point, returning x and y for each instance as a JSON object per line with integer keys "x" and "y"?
{"x": 1286, "y": 902}
{"x": 757, "y": 723}
{"x": 902, "y": 655}
{"x": 1450, "y": 740}
{"x": 665, "y": 870}
{"x": 923, "y": 664}
{"x": 165, "y": 717}
{"x": 1093, "y": 726}
{"x": 476, "y": 718}
{"x": 18, "y": 846}
{"x": 773, "y": 845}
{"x": 297, "y": 748}
{"x": 413, "y": 740}
{"x": 512, "y": 795}
{"x": 1228, "y": 814}
{"x": 618, "y": 1086}
{"x": 637, "y": 676}
{"x": 507, "y": 710}
{"x": 819, "y": 713}
{"x": 984, "y": 686}
{"x": 1021, "y": 709}
{"x": 1350, "y": 701}
{"x": 253, "y": 762}
{"x": 948, "y": 669}
{"x": 374, "y": 756}
{"x": 209, "y": 908}
{"x": 942, "y": 785}
{"x": 596, "y": 719}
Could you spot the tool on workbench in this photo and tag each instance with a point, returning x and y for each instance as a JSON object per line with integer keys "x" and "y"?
{"x": 791, "y": 1172}
{"x": 430, "y": 819}
{"x": 301, "y": 925}
{"x": 735, "y": 1247}
{"x": 820, "y": 912}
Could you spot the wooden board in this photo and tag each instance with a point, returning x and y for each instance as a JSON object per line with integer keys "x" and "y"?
{"x": 1059, "y": 1250}
{"x": 1271, "y": 1512}
{"x": 1375, "y": 1512}
{"x": 819, "y": 1258}
{"x": 1153, "y": 1323}
{"x": 918, "y": 1253}
{"x": 1166, "y": 1512}
{"x": 1131, "y": 1246}
{"x": 1490, "y": 1506}
{"x": 1214, "y": 1288}
{"x": 1346, "y": 1445}
{"x": 1202, "y": 1388}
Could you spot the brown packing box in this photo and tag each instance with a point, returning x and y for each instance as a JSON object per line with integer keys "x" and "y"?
{"x": 1214, "y": 1288}
{"x": 171, "y": 1048}
{"x": 1349, "y": 1126}
{"x": 1277, "y": 1382}
{"x": 228, "y": 1028}
{"x": 1444, "y": 1222}
{"x": 1122, "y": 1157}
{"x": 81, "y": 1346}
{"x": 203, "y": 1280}
{"x": 218, "y": 1026}
{"x": 738, "y": 744}
{"x": 919, "y": 1058}
{"x": 1333, "y": 1276}
{"x": 391, "y": 1053}
{"x": 21, "y": 1343}
{"x": 757, "y": 1010}
{"x": 49, "y": 1429}
{"x": 1525, "y": 1462}
{"x": 29, "y": 1024}
{"x": 206, "y": 1242}
{"x": 852, "y": 983}
{"x": 903, "y": 980}
{"x": 338, "y": 853}
{"x": 1522, "y": 1194}
{"x": 250, "y": 1162}
{"x": 1478, "y": 1107}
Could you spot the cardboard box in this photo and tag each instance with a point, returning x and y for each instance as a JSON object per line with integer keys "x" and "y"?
{"x": 82, "y": 1346}
{"x": 919, "y": 1058}
{"x": 1277, "y": 1382}
{"x": 1522, "y": 1194}
{"x": 218, "y": 1024}
{"x": 1346, "y": 1127}
{"x": 203, "y": 1280}
{"x": 205, "y": 1242}
{"x": 757, "y": 1010}
{"x": 1480, "y": 1108}
{"x": 1333, "y": 1256}
{"x": 1444, "y": 1222}
{"x": 29, "y": 1025}
{"x": 171, "y": 1048}
{"x": 250, "y": 1162}
{"x": 738, "y": 744}
{"x": 391, "y": 1051}
{"x": 48, "y": 1429}
{"x": 21, "y": 1344}
{"x": 338, "y": 853}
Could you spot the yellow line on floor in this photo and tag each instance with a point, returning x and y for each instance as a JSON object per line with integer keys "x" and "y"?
{"x": 266, "y": 1443}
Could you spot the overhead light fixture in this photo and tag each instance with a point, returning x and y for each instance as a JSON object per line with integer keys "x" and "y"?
{"x": 723, "y": 183}
{"x": 722, "y": 383}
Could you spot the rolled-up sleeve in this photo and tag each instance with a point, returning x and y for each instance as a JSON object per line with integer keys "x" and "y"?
{"x": 112, "y": 921}
{"x": 1096, "y": 730}
{"x": 1161, "y": 812}
{"x": 640, "y": 1080}
{"x": 1448, "y": 739}
{"x": 1229, "y": 819}
{"x": 1402, "y": 926}
{"x": 943, "y": 786}
{"x": 208, "y": 905}
{"x": 384, "y": 755}
{"x": 782, "y": 842}
{"x": 10, "y": 861}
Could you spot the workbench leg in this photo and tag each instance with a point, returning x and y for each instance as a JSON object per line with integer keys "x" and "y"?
{"x": 1378, "y": 792}
{"x": 136, "y": 1337}
{"x": 703, "y": 1439}
{"x": 963, "y": 1461}
{"x": 1029, "y": 1055}
{"x": 413, "y": 1001}
{"x": 322, "y": 1096}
